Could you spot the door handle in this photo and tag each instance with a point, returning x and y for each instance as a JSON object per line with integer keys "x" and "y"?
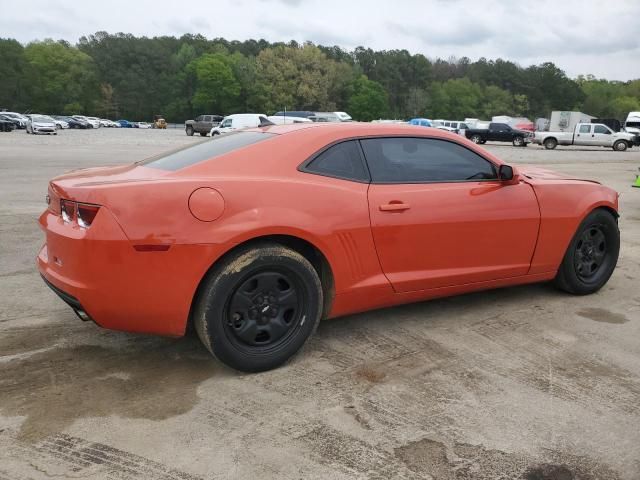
{"x": 394, "y": 206}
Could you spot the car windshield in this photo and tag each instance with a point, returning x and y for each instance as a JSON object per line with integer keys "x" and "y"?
{"x": 205, "y": 150}
{"x": 41, "y": 119}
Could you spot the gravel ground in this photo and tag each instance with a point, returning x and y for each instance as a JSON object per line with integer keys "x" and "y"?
{"x": 523, "y": 382}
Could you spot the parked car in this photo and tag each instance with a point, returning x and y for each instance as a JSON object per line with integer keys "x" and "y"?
{"x": 451, "y": 125}
{"x": 13, "y": 121}
{"x": 324, "y": 117}
{"x": 159, "y": 122}
{"x": 142, "y": 125}
{"x": 499, "y": 132}
{"x": 202, "y": 124}
{"x": 6, "y": 124}
{"x": 41, "y": 124}
{"x": 105, "y": 122}
{"x": 241, "y": 121}
{"x": 73, "y": 122}
{"x": 295, "y": 113}
{"x": 22, "y": 119}
{"x": 421, "y": 122}
{"x": 282, "y": 120}
{"x": 587, "y": 134}
{"x": 230, "y": 241}
{"x": 60, "y": 124}
{"x": 93, "y": 123}
{"x": 343, "y": 116}
{"x": 124, "y": 123}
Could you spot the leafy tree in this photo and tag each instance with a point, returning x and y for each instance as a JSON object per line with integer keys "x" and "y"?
{"x": 217, "y": 89}
{"x": 59, "y": 77}
{"x": 12, "y": 70}
{"x": 368, "y": 101}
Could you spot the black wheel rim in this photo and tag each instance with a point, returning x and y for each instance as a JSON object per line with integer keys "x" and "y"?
{"x": 265, "y": 310}
{"x": 590, "y": 253}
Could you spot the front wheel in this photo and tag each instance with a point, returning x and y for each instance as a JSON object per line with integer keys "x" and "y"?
{"x": 518, "y": 142}
{"x": 189, "y": 131}
{"x": 203, "y": 134}
{"x": 591, "y": 256}
{"x": 258, "y": 307}
{"x": 620, "y": 146}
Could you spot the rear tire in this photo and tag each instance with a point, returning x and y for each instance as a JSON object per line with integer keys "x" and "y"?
{"x": 550, "y": 143}
{"x": 620, "y": 146}
{"x": 189, "y": 131}
{"x": 476, "y": 139}
{"x": 591, "y": 256}
{"x": 203, "y": 134}
{"x": 257, "y": 308}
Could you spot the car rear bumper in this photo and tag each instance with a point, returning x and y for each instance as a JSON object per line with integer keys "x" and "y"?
{"x": 102, "y": 277}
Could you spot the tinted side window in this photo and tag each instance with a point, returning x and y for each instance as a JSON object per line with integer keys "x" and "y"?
{"x": 342, "y": 160}
{"x": 207, "y": 118}
{"x": 418, "y": 160}
{"x": 601, "y": 129}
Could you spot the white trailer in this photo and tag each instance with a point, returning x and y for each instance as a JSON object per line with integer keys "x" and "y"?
{"x": 564, "y": 121}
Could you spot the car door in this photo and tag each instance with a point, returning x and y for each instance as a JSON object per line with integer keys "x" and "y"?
{"x": 602, "y": 135}
{"x": 440, "y": 217}
{"x": 584, "y": 135}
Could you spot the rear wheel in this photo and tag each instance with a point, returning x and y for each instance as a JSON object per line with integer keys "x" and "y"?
{"x": 203, "y": 134}
{"x": 620, "y": 146}
{"x": 189, "y": 131}
{"x": 550, "y": 143}
{"x": 476, "y": 138}
{"x": 592, "y": 255}
{"x": 258, "y": 307}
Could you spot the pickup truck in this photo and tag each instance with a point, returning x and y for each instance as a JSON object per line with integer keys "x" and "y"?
{"x": 586, "y": 134}
{"x": 499, "y": 132}
{"x": 202, "y": 124}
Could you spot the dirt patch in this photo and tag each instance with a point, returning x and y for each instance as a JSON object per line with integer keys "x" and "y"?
{"x": 152, "y": 378}
{"x": 370, "y": 374}
{"x": 463, "y": 461}
{"x": 602, "y": 315}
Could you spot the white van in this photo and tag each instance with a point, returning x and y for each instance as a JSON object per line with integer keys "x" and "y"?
{"x": 632, "y": 125}
{"x": 240, "y": 121}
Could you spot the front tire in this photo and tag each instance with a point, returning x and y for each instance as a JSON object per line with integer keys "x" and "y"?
{"x": 203, "y": 134}
{"x": 190, "y": 131}
{"x": 620, "y": 146}
{"x": 591, "y": 256}
{"x": 258, "y": 307}
{"x": 518, "y": 142}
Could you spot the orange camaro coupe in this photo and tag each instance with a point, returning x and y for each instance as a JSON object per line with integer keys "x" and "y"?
{"x": 254, "y": 236}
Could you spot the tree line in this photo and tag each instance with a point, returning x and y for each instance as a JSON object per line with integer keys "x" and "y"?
{"x": 124, "y": 76}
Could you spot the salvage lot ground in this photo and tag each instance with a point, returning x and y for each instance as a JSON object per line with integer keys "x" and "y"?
{"x": 523, "y": 382}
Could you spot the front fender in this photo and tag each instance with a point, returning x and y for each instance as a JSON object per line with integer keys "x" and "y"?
{"x": 563, "y": 206}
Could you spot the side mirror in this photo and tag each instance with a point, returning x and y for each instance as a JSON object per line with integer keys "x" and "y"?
{"x": 507, "y": 175}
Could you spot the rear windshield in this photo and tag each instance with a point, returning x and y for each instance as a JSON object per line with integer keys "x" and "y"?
{"x": 219, "y": 145}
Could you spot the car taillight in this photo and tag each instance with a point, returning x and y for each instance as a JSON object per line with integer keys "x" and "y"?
{"x": 67, "y": 210}
{"x": 86, "y": 214}
{"x": 83, "y": 213}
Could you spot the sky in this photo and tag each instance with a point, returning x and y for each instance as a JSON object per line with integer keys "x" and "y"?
{"x": 581, "y": 37}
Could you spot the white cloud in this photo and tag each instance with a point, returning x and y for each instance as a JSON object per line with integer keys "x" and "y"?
{"x": 579, "y": 36}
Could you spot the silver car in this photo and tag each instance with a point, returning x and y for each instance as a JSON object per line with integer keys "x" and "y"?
{"x": 41, "y": 124}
